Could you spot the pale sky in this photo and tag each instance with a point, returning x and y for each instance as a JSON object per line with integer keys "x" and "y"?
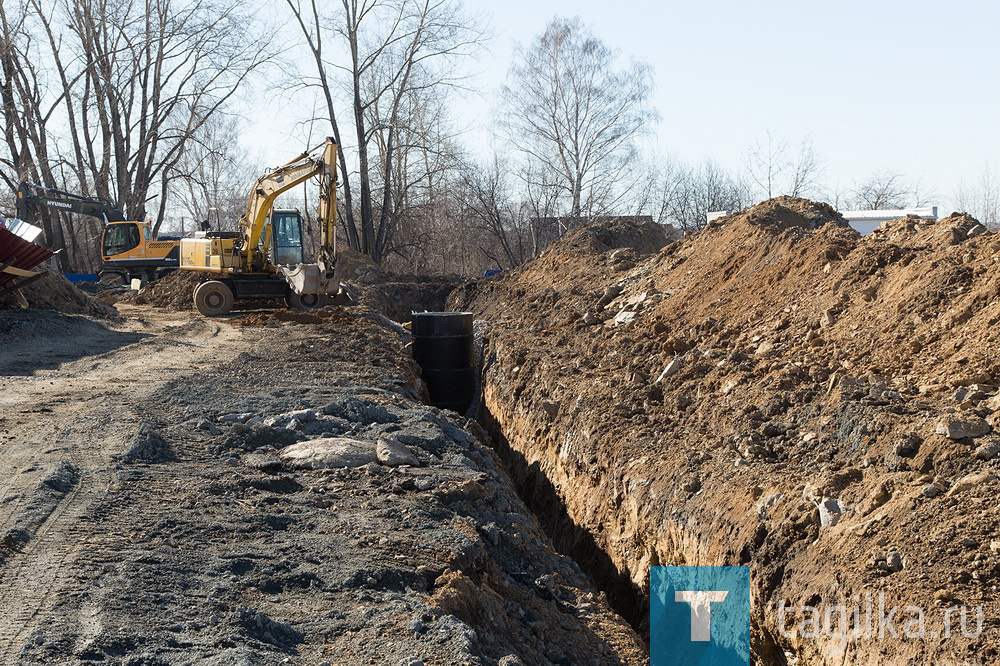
{"x": 907, "y": 86}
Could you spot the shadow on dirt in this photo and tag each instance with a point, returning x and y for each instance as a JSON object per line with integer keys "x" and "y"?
{"x": 32, "y": 340}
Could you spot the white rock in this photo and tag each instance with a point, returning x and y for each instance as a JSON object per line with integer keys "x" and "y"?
{"x": 830, "y": 512}
{"x": 392, "y": 453}
{"x": 672, "y": 368}
{"x": 962, "y": 428}
{"x": 969, "y": 482}
{"x": 329, "y": 452}
{"x": 624, "y": 317}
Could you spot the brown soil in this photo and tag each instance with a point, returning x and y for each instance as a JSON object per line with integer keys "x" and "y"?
{"x": 174, "y": 291}
{"x": 697, "y": 406}
{"x": 55, "y": 292}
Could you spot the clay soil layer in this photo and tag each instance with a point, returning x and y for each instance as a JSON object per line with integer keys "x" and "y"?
{"x": 774, "y": 392}
{"x": 147, "y": 515}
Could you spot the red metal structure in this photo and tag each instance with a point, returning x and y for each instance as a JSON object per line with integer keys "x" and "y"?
{"x": 17, "y": 259}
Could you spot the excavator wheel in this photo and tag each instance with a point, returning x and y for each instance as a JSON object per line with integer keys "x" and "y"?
{"x": 305, "y": 302}
{"x": 112, "y": 279}
{"x": 213, "y": 298}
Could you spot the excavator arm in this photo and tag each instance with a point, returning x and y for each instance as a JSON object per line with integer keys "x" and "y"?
{"x": 270, "y": 186}
{"x": 30, "y": 198}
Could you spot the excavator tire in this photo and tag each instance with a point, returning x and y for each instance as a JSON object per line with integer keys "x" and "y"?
{"x": 305, "y": 302}
{"x": 213, "y": 298}
{"x": 112, "y": 278}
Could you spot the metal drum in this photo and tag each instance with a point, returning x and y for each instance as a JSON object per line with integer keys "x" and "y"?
{"x": 444, "y": 347}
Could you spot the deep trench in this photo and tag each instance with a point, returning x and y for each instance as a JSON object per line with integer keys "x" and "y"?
{"x": 543, "y": 500}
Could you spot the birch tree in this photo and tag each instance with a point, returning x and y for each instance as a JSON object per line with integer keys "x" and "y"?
{"x": 572, "y": 108}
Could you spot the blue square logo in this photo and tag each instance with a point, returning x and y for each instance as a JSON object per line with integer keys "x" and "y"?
{"x": 700, "y": 616}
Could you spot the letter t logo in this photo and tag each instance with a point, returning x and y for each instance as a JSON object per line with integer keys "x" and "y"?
{"x": 701, "y": 611}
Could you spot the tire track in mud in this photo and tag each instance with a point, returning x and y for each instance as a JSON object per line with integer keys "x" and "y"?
{"x": 33, "y": 579}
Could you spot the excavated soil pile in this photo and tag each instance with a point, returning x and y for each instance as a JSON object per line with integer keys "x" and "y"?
{"x": 774, "y": 391}
{"x": 55, "y": 292}
{"x": 173, "y": 291}
{"x": 356, "y": 267}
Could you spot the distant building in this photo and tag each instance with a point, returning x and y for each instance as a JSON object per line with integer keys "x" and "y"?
{"x": 867, "y": 221}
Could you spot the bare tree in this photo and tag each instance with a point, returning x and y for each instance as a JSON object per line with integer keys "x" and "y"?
{"x": 399, "y": 52}
{"x": 488, "y": 204}
{"x": 688, "y": 194}
{"x": 575, "y": 112}
{"x": 212, "y": 176}
{"x": 102, "y": 97}
{"x": 775, "y": 172}
{"x": 981, "y": 199}
{"x": 807, "y": 171}
{"x": 766, "y": 163}
{"x": 886, "y": 189}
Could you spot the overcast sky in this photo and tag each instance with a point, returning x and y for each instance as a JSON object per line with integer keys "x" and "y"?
{"x": 909, "y": 86}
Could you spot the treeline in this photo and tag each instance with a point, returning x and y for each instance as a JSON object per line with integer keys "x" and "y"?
{"x": 144, "y": 103}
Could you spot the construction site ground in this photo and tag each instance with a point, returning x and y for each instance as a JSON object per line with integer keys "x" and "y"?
{"x": 773, "y": 392}
{"x": 146, "y": 516}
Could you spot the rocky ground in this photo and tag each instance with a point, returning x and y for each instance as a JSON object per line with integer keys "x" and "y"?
{"x": 156, "y": 506}
{"x": 774, "y": 391}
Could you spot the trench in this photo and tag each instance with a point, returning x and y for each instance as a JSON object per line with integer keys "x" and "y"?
{"x": 542, "y": 498}
{"x": 547, "y": 497}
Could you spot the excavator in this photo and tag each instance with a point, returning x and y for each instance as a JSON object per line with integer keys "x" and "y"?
{"x": 265, "y": 258}
{"x": 128, "y": 248}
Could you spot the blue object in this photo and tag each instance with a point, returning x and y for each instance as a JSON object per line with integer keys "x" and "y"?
{"x": 81, "y": 277}
{"x": 491, "y": 273}
{"x": 700, "y": 616}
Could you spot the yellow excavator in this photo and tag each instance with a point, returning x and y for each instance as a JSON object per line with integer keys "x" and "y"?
{"x": 265, "y": 258}
{"x": 128, "y": 247}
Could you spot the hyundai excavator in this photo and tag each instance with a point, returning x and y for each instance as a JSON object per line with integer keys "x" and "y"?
{"x": 128, "y": 248}
{"x": 265, "y": 258}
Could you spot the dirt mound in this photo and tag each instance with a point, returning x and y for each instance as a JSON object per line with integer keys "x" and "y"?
{"x": 774, "y": 391}
{"x": 357, "y": 268}
{"x": 642, "y": 237}
{"x": 397, "y": 298}
{"x": 332, "y": 316}
{"x": 174, "y": 291}
{"x": 912, "y": 231}
{"x": 785, "y": 213}
{"x": 55, "y": 292}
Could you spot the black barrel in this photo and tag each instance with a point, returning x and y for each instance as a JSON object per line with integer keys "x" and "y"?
{"x": 444, "y": 347}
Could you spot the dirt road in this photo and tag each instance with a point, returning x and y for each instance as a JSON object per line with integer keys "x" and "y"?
{"x": 147, "y": 518}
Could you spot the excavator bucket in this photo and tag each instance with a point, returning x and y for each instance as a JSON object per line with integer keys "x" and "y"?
{"x": 310, "y": 279}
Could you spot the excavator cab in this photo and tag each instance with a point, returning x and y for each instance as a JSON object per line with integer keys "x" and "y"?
{"x": 120, "y": 237}
{"x": 286, "y": 230}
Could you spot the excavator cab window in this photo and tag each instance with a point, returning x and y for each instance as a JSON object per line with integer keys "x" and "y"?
{"x": 286, "y": 228}
{"x": 120, "y": 238}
